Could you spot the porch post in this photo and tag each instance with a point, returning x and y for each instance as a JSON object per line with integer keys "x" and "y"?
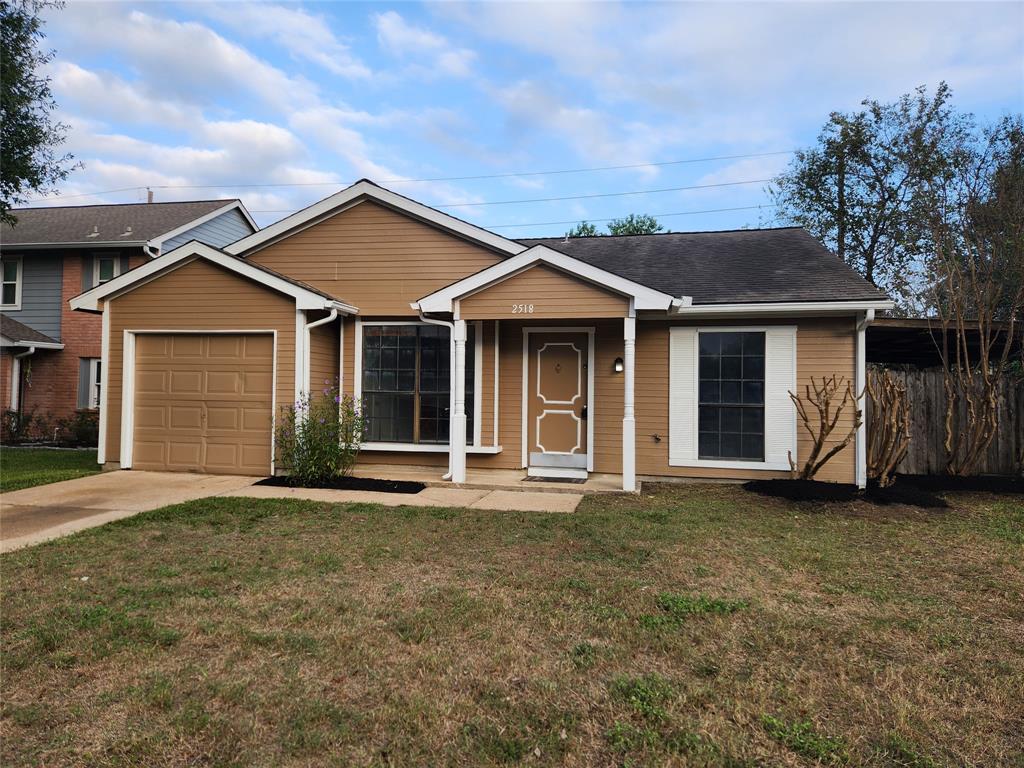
{"x": 457, "y": 431}
{"x": 628, "y": 413}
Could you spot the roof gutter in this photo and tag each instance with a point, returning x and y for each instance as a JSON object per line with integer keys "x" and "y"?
{"x": 74, "y": 244}
{"x": 784, "y": 308}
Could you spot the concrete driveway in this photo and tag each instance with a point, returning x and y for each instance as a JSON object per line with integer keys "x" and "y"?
{"x": 45, "y": 512}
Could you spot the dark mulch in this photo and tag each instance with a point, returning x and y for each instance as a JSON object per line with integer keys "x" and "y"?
{"x": 351, "y": 484}
{"x": 982, "y": 483}
{"x": 815, "y": 490}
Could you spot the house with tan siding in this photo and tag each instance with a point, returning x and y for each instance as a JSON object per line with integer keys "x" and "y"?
{"x": 650, "y": 356}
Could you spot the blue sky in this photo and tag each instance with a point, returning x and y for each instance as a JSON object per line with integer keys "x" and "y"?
{"x": 321, "y": 94}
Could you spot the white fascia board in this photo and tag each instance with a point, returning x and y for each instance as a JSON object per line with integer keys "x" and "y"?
{"x": 783, "y": 308}
{"x": 364, "y": 189}
{"x": 643, "y": 297}
{"x": 6, "y": 342}
{"x": 305, "y": 299}
{"x": 157, "y": 242}
{"x": 83, "y": 244}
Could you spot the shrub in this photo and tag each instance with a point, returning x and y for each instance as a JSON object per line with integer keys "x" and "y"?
{"x": 318, "y": 437}
{"x": 80, "y": 430}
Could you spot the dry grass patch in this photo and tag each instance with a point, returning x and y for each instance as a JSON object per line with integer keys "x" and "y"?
{"x": 692, "y": 625}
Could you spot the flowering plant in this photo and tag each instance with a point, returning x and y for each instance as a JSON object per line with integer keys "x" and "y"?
{"x": 318, "y": 436}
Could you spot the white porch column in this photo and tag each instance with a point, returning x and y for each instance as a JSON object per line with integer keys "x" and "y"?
{"x": 457, "y": 432}
{"x": 628, "y": 412}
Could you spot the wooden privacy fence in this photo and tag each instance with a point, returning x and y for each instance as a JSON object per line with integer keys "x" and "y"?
{"x": 926, "y": 454}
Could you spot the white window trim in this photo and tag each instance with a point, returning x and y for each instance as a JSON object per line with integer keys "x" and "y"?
{"x": 95, "y": 384}
{"x": 695, "y": 426}
{"x": 357, "y": 394}
{"x": 19, "y": 282}
{"x": 96, "y": 258}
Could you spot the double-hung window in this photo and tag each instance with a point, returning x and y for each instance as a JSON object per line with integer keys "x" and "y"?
{"x": 105, "y": 267}
{"x": 731, "y": 395}
{"x": 95, "y": 382}
{"x": 406, "y": 383}
{"x": 11, "y": 288}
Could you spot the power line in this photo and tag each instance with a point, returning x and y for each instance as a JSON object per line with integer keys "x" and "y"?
{"x": 606, "y": 194}
{"x": 655, "y": 215}
{"x": 561, "y": 171}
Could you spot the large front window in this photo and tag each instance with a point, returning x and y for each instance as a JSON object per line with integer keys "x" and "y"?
{"x": 731, "y": 396}
{"x": 407, "y": 383}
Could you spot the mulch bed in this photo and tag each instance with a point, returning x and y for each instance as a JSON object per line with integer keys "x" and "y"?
{"x": 814, "y": 490}
{"x": 981, "y": 483}
{"x": 350, "y": 484}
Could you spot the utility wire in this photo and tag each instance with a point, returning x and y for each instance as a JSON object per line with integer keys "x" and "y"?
{"x": 613, "y": 218}
{"x": 434, "y": 179}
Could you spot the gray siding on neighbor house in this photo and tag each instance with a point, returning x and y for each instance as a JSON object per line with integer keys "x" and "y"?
{"x": 218, "y": 232}
{"x": 41, "y": 275}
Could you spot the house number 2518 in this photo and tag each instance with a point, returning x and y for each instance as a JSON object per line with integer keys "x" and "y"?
{"x": 522, "y": 309}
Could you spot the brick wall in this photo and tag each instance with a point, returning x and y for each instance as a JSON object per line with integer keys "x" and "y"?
{"x": 51, "y": 385}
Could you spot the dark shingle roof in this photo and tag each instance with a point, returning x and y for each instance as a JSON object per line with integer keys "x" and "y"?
{"x": 75, "y": 224}
{"x": 740, "y": 266}
{"x": 19, "y": 332}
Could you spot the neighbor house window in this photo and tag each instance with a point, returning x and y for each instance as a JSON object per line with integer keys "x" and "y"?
{"x": 406, "y": 383}
{"x": 11, "y": 282}
{"x": 95, "y": 382}
{"x": 105, "y": 268}
{"x": 731, "y": 395}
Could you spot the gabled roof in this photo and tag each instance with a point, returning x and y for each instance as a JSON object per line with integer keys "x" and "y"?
{"x": 641, "y": 296}
{"x": 306, "y": 296}
{"x": 747, "y": 266}
{"x": 15, "y": 334}
{"x": 367, "y": 190}
{"x": 109, "y": 225}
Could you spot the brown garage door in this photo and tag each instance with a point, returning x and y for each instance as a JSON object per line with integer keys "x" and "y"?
{"x": 203, "y": 403}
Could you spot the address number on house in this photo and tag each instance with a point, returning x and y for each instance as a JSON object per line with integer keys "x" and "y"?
{"x": 522, "y": 309}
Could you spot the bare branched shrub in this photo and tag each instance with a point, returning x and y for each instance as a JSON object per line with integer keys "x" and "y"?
{"x": 888, "y": 425}
{"x": 978, "y": 281}
{"x": 829, "y": 399}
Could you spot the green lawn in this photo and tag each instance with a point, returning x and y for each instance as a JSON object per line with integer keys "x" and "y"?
{"x": 26, "y": 467}
{"x": 695, "y": 625}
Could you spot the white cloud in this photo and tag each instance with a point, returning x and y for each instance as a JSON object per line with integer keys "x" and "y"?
{"x": 303, "y": 34}
{"x": 405, "y": 40}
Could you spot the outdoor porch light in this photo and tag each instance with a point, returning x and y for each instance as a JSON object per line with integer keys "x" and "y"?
{"x": 618, "y": 366}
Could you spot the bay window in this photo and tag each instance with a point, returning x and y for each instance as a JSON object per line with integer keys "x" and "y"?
{"x": 406, "y": 383}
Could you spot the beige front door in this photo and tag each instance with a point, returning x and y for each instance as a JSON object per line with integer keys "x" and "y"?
{"x": 557, "y": 378}
{"x": 203, "y": 403}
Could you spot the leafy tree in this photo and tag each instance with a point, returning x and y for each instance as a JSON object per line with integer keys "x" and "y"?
{"x": 29, "y": 135}
{"x": 863, "y": 189}
{"x": 635, "y": 224}
{"x": 583, "y": 229}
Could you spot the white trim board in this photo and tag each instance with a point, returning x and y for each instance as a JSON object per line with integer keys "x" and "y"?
{"x": 185, "y": 254}
{"x": 641, "y": 297}
{"x": 158, "y": 242}
{"x": 787, "y": 309}
{"x": 367, "y": 190}
{"x": 128, "y": 385}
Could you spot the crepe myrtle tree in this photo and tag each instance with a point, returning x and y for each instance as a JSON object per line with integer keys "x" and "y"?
{"x": 30, "y": 137}
{"x": 976, "y": 224}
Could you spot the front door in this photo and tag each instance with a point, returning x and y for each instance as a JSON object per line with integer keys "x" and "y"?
{"x": 557, "y": 379}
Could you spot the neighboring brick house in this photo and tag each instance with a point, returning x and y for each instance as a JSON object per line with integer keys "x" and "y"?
{"x": 49, "y": 355}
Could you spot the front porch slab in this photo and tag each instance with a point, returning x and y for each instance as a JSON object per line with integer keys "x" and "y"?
{"x": 492, "y": 479}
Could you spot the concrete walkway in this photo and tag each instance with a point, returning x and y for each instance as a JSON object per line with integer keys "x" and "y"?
{"x": 35, "y": 515}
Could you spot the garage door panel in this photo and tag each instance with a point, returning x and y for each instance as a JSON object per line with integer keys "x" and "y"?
{"x": 185, "y": 382}
{"x": 150, "y": 417}
{"x": 224, "y": 382}
{"x": 226, "y": 346}
{"x": 188, "y": 345}
{"x": 203, "y": 403}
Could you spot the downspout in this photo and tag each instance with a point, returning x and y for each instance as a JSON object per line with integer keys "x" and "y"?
{"x": 861, "y": 460}
{"x": 451, "y": 374}
{"x": 309, "y": 326}
{"x": 16, "y": 374}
